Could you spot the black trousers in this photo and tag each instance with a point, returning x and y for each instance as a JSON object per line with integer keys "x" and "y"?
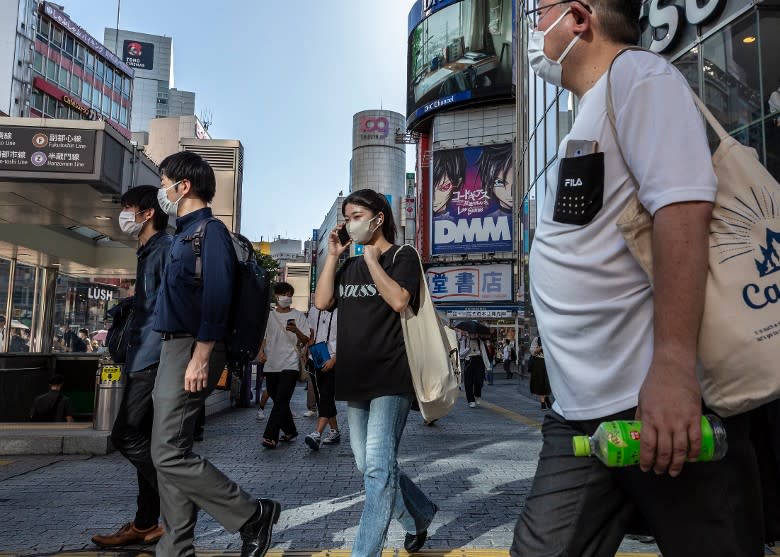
{"x": 473, "y": 378}
{"x": 131, "y": 436}
{"x": 508, "y": 369}
{"x": 325, "y": 392}
{"x": 280, "y": 388}
{"x": 578, "y": 506}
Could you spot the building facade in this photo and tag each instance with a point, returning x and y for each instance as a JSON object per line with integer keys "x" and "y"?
{"x": 461, "y": 114}
{"x": 378, "y": 162}
{"x": 154, "y": 95}
{"x": 50, "y": 67}
{"x": 729, "y": 51}
{"x": 332, "y": 219}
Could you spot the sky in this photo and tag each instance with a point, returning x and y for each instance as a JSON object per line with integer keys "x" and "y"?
{"x": 285, "y": 78}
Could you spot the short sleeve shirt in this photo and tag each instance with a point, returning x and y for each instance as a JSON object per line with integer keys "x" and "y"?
{"x": 280, "y": 344}
{"x": 372, "y": 358}
{"x": 593, "y": 303}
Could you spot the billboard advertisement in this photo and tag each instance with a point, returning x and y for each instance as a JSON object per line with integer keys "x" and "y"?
{"x": 470, "y": 283}
{"x": 458, "y": 52}
{"x": 471, "y": 200}
{"x": 139, "y": 55}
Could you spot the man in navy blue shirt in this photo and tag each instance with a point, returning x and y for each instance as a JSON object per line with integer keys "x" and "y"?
{"x": 141, "y": 218}
{"x": 192, "y": 315}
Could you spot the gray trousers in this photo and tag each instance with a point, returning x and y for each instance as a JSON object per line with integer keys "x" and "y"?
{"x": 188, "y": 482}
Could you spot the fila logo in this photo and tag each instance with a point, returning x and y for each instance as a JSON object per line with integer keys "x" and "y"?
{"x": 572, "y": 183}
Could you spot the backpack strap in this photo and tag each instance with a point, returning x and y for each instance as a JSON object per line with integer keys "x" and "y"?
{"x": 197, "y": 246}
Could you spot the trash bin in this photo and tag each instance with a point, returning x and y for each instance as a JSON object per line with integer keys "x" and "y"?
{"x": 109, "y": 388}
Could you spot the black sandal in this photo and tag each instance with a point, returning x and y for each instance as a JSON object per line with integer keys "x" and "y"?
{"x": 284, "y": 438}
{"x": 269, "y": 443}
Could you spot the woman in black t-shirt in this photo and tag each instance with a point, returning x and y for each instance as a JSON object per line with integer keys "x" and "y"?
{"x": 374, "y": 378}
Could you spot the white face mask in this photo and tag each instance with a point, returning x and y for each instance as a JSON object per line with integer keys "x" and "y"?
{"x": 284, "y": 301}
{"x": 360, "y": 230}
{"x": 169, "y": 207}
{"x": 549, "y": 70}
{"x": 128, "y": 225}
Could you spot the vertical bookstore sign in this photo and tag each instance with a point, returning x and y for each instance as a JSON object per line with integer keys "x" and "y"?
{"x": 47, "y": 149}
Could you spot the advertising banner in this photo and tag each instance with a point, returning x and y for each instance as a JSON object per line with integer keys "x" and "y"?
{"x": 460, "y": 51}
{"x": 470, "y": 283}
{"x": 139, "y": 55}
{"x": 47, "y": 149}
{"x": 472, "y": 200}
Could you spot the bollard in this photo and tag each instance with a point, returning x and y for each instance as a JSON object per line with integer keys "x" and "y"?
{"x": 109, "y": 388}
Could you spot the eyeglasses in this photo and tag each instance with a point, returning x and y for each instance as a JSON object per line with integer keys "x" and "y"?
{"x": 535, "y": 16}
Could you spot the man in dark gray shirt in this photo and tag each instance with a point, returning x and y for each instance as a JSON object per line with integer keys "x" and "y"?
{"x": 142, "y": 218}
{"x": 52, "y": 406}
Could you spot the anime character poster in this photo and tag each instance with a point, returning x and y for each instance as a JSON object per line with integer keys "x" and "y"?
{"x": 472, "y": 200}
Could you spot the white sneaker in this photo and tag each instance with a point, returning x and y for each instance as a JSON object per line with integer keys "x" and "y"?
{"x": 332, "y": 437}
{"x": 309, "y": 413}
{"x": 260, "y": 415}
{"x": 472, "y": 404}
{"x": 478, "y": 401}
{"x": 313, "y": 440}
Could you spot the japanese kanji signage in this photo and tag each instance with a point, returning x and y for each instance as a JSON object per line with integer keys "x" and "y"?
{"x": 47, "y": 149}
{"x": 473, "y": 283}
{"x": 472, "y": 198}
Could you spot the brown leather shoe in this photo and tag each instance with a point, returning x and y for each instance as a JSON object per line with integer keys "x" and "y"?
{"x": 154, "y": 536}
{"x": 126, "y": 535}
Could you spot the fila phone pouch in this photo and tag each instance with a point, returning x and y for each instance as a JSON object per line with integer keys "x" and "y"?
{"x": 580, "y": 193}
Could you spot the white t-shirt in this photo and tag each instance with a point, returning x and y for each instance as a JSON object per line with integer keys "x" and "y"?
{"x": 593, "y": 303}
{"x": 279, "y": 343}
{"x": 321, "y": 331}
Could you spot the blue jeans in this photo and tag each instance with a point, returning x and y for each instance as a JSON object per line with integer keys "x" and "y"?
{"x": 375, "y": 428}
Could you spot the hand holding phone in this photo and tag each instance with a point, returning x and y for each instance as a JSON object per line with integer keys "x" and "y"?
{"x": 343, "y": 236}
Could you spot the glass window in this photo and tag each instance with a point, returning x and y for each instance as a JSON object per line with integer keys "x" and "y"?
{"x": 62, "y": 111}
{"x": 75, "y": 84}
{"x": 23, "y": 305}
{"x": 115, "y": 110}
{"x": 551, "y": 132}
{"x": 126, "y": 86}
{"x": 5, "y": 272}
{"x": 732, "y": 84}
{"x": 688, "y": 64}
{"x": 86, "y": 94}
{"x": 36, "y": 101}
{"x": 90, "y": 63}
{"x": 540, "y": 104}
{"x": 70, "y": 45}
{"x": 106, "y": 105}
{"x": 51, "y": 70}
{"x": 531, "y": 112}
{"x": 540, "y": 159}
{"x": 532, "y": 158}
{"x": 44, "y": 28}
{"x": 81, "y": 54}
{"x": 123, "y": 115}
{"x": 117, "y": 81}
{"x": 38, "y": 62}
{"x": 50, "y": 107}
{"x": 770, "y": 62}
{"x": 56, "y": 36}
{"x": 109, "y": 76}
{"x": 64, "y": 79}
{"x": 97, "y": 98}
{"x": 100, "y": 67}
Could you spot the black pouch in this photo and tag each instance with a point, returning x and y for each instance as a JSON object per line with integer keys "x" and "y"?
{"x": 580, "y": 194}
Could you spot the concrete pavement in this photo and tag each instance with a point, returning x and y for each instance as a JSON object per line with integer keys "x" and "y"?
{"x": 476, "y": 464}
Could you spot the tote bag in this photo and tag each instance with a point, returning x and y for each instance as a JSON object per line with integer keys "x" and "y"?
{"x": 432, "y": 352}
{"x": 739, "y": 339}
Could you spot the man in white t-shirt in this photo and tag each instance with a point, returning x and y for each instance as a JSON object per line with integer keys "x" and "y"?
{"x": 617, "y": 346}
{"x": 286, "y": 336}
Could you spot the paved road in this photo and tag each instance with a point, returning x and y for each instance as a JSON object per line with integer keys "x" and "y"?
{"x": 476, "y": 464}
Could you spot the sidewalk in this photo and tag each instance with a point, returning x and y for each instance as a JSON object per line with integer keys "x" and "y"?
{"x": 476, "y": 464}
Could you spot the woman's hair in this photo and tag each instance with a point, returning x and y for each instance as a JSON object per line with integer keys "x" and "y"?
{"x": 376, "y": 203}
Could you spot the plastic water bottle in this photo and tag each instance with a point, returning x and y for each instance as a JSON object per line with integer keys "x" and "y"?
{"x": 617, "y": 443}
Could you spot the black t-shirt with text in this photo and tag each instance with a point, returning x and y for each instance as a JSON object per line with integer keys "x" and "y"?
{"x": 372, "y": 358}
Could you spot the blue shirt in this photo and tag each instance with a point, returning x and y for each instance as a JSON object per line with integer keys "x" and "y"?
{"x": 143, "y": 349}
{"x": 185, "y": 305}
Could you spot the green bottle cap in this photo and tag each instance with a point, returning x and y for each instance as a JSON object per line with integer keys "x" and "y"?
{"x": 581, "y": 444}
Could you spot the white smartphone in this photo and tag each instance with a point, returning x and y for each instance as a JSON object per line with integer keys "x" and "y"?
{"x": 580, "y": 147}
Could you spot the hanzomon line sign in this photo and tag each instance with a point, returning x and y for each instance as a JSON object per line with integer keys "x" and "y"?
{"x": 47, "y": 149}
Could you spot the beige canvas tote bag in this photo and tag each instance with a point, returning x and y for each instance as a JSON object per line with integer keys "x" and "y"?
{"x": 432, "y": 351}
{"x": 739, "y": 339}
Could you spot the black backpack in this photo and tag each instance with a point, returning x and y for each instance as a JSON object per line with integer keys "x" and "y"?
{"x": 118, "y": 336}
{"x": 251, "y": 302}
